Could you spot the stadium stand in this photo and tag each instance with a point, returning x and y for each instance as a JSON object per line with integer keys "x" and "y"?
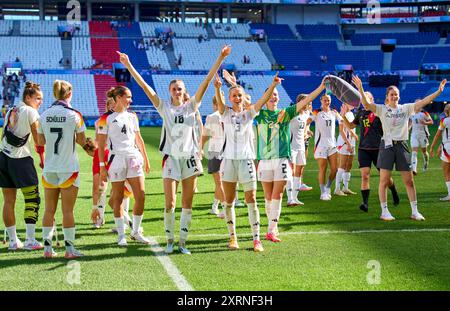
{"x": 410, "y": 38}
{"x": 102, "y": 83}
{"x": 138, "y": 56}
{"x": 50, "y": 28}
{"x": 6, "y": 27}
{"x": 278, "y": 31}
{"x": 231, "y": 30}
{"x": 318, "y": 31}
{"x": 81, "y": 53}
{"x": 104, "y": 51}
{"x": 181, "y": 30}
{"x": 101, "y": 29}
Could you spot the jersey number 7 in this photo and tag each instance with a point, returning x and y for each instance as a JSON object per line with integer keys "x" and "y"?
{"x": 59, "y": 132}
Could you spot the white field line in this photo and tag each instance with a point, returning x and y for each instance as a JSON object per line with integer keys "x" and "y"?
{"x": 326, "y": 232}
{"x": 171, "y": 269}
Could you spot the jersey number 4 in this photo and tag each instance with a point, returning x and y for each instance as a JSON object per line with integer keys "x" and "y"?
{"x": 59, "y": 132}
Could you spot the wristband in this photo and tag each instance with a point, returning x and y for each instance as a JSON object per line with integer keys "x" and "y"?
{"x": 102, "y": 164}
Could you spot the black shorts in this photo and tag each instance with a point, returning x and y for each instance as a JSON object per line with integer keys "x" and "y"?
{"x": 17, "y": 173}
{"x": 398, "y": 154}
{"x": 214, "y": 165}
{"x": 367, "y": 157}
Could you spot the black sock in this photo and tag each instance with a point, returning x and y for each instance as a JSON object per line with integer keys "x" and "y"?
{"x": 365, "y": 195}
{"x": 392, "y": 188}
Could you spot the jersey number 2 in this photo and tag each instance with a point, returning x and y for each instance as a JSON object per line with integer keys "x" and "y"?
{"x": 59, "y": 132}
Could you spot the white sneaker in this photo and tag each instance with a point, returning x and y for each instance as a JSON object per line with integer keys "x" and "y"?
{"x": 214, "y": 211}
{"x": 348, "y": 191}
{"x": 305, "y": 187}
{"x": 238, "y": 203}
{"x": 32, "y": 245}
{"x": 291, "y": 203}
{"x": 184, "y": 250}
{"x": 298, "y": 202}
{"x": 16, "y": 245}
{"x": 425, "y": 166}
{"x": 325, "y": 197}
{"x": 387, "y": 217}
{"x": 122, "y": 240}
{"x": 418, "y": 216}
{"x": 137, "y": 236}
{"x": 169, "y": 248}
{"x": 340, "y": 193}
{"x": 99, "y": 223}
{"x": 221, "y": 215}
{"x": 447, "y": 198}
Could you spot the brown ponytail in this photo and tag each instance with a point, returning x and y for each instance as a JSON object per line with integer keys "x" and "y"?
{"x": 30, "y": 89}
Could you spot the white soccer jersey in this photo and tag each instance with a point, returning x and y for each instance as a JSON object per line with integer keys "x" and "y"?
{"x": 340, "y": 142}
{"x": 178, "y": 135}
{"x": 395, "y": 121}
{"x": 60, "y": 124}
{"x": 444, "y": 126}
{"x": 325, "y": 128}
{"x": 20, "y": 119}
{"x": 214, "y": 129}
{"x": 121, "y": 130}
{"x": 417, "y": 128}
{"x": 298, "y": 128}
{"x": 239, "y": 138}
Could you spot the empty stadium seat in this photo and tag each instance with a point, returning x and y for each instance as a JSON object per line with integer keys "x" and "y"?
{"x": 50, "y": 28}
{"x": 231, "y": 30}
{"x": 181, "y": 30}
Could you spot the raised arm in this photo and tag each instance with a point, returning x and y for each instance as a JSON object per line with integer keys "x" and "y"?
{"x": 313, "y": 95}
{"x": 226, "y": 50}
{"x": 368, "y": 106}
{"x": 427, "y": 100}
{"x": 149, "y": 91}
{"x": 219, "y": 97}
{"x": 268, "y": 94}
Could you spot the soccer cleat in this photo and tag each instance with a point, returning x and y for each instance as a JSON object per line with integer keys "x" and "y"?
{"x": 292, "y": 203}
{"x": 340, "y": 193}
{"x": 169, "y": 248}
{"x": 238, "y": 203}
{"x": 305, "y": 187}
{"x": 137, "y": 236}
{"x": 32, "y": 245}
{"x": 14, "y": 246}
{"x": 221, "y": 215}
{"x": 272, "y": 237}
{"x": 364, "y": 207}
{"x": 50, "y": 254}
{"x": 325, "y": 197}
{"x": 387, "y": 217}
{"x": 298, "y": 202}
{"x": 99, "y": 223}
{"x": 214, "y": 211}
{"x": 447, "y": 198}
{"x": 425, "y": 166}
{"x": 184, "y": 250}
{"x": 417, "y": 216}
{"x": 122, "y": 241}
{"x": 257, "y": 246}
{"x": 233, "y": 244}
{"x": 73, "y": 253}
{"x": 348, "y": 191}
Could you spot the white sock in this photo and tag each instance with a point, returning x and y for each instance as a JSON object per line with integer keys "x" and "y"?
{"x": 414, "y": 160}
{"x": 31, "y": 230}
{"x": 126, "y": 208}
{"x": 230, "y": 217}
{"x": 267, "y": 206}
{"x": 185, "y": 223}
{"x": 102, "y": 202}
{"x": 47, "y": 236}
{"x": 236, "y": 197}
{"x": 384, "y": 208}
{"x": 296, "y": 187}
{"x": 275, "y": 212}
{"x": 12, "y": 233}
{"x": 447, "y": 183}
{"x": 322, "y": 189}
{"x": 224, "y": 204}
{"x": 169, "y": 223}
{"x": 413, "y": 207}
{"x": 339, "y": 177}
{"x": 215, "y": 203}
{"x": 137, "y": 221}
{"x": 346, "y": 177}
{"x": 120, "y": 225}
{"x": 253, "y": 218}
{"x": 69, "y": 237}
{"x": 289, "y": 190}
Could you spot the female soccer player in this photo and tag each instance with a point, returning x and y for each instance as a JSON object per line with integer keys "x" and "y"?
{"x": 419, "y": 138}
{"x": 346, "y": 151}
{"x": 443, "y": 131}
{"x": 213, "y": 133}
{"x": 127, "y": 161}
{"x": 371, "y": 132}
{"x": 274, "y": 152}
{"x": 178, "y": 145}
{"x": 237, "y": 164}
{"x": 59, "y": 129}
{"x": 393, "y": 147}
{"x": 17, "y": 169}
{"x": 325, "y": 151}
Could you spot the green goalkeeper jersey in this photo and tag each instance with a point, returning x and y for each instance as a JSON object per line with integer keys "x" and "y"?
{"x": 273, "y": 133}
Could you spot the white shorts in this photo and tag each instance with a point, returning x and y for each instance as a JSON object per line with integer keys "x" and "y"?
{"x": 323, "y": 152}
{"x": 298, "y": 157}
{"x": 122, "y": 167}
{"x": 242, "y": 171}
{"x": 445, "y": 153}
{"x": 419, "y": 141}
{"x": 274, "y": 170}
{"x": 60, "y": 180}
{"x": 344, "y": 151}
{"x": 180, "y": 169}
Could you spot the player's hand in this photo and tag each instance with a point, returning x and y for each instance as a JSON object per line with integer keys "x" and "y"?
{"x": 147, "y": 166}
{"x": 281, "y": 115}
{"x": 442, "y": 85}
{"x": 230, "y": 78}
{"x": 431, "y": 153}
{"x": 103, "y": 174}
{"x": 277, "y": 80}
{"x": 217, "y": 82}
{"x": 95, "y": 215}
{"x": 226, "y": 50}
{"x": 357, "y": 82}
{"x": 123, "y": 58}
{"x": 349, "y": 148}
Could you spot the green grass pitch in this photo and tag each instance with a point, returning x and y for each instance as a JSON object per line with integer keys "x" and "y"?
{"x": 326, "y": 245}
